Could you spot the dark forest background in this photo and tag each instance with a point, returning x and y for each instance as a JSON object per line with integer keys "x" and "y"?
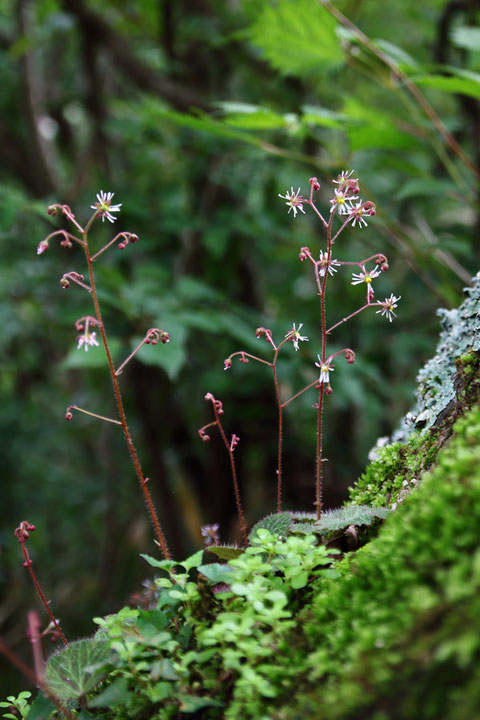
{"x": 196, "y": 114}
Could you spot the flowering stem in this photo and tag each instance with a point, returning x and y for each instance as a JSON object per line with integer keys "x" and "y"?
{"x": 314, "y": 208}
{"x": 126, "y": 236}
{"x": 294, "y": 397}
{"x": 318, "y": 488}
{"x": 152, "y": 336}
{"x": 367, "y": 305}
{"x": 86, "y": 412}
{"x": 236, "y": 491}
{"x": 28, "y": 565}
{"x": 118, "y": 398}
{"x": 280, "y": 432}
{"x": 252, "y": 357}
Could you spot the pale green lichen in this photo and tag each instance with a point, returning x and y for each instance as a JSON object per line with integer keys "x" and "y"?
{"x": 436, "y": 380}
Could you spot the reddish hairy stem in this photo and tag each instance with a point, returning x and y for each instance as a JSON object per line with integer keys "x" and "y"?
{"x": 294, "y": 397}
{"x": 236, "y": 491}
{"x": 121, "y": 412}
{"x": 280, "y": 433}
{"x": 28, "y": 565}
{"x": 368, "y": 305}
{"x": 318, "y": 489}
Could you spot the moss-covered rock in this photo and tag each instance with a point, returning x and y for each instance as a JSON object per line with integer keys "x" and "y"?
{"x": 448, "y": 386}
{"x": 398, "y": 635}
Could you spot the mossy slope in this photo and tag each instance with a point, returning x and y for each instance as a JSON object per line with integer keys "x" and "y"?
{"x": 397, "y": 637}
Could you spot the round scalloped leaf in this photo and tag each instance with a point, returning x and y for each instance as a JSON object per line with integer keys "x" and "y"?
{"x": 277, "y": 524}
{"x": 350, "y": 515}
{"x": 77, "y": 670}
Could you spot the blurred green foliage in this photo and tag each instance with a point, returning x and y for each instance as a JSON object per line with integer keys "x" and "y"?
{"x": 197, "y": 115}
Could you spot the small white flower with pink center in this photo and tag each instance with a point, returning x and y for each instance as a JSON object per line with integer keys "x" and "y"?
{"x": 325, "y": 369}
{"x": 388, "y": 307}
{"x": 295, "y": 337}
{"x": 343, "y": 177}
{"x": 104, "y": 206}
{"x": 332, "y": 265}
{"x": 87, "y": 339}
{"x": 294, "y": 201}
{"x": 358, "y": 213}
{"x": 342, "y": 202}
{"x": 365, "y": 276}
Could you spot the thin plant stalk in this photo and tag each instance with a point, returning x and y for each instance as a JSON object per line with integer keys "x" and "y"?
{"x": 119, "y": 402}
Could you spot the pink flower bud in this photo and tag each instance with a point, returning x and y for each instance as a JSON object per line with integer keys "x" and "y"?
{"x": 350, "y": 356}
{"x": 328, "y": 389}
{"x": 370, "y": 208}
{"x": 52, "y": 210}
{"x": 227, "y": 364}
{"x": 68, "y": 415}
{"x": 314, "y": 183}
{"x": 64, "y": 283}
{"x": 42, "y": 247}
{"x": 164, "y": 337}
{"x": 304, "y": 253}
{"x": 121, "y": 246}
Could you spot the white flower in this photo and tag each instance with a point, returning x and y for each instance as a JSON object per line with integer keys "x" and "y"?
{"x": 325, "y": 369}
{"x": 343, "y": 177}
{"x": 388, "y": 306}
{"x": 358, "y": 212}
{"x": 342, "y": 202}
{"x": 323, "y": 264}
{"x": 105, "y": 207}
{"x": 88, "y": 338}
{"x": 365, "y": 276}
{"x": 294, "y": 200}
{"x": 295, "y": 337}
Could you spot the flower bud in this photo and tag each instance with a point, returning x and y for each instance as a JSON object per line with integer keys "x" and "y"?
{"x": 304, "y": 253}
{"x": 370, "y": 207}
{"x": 64, "y": 283}
{"x": 328, "y": 389}
{"x": 52, "y": 210}
{"x": 164, "y": 337}
{"x": 42, "y": 247}
{"x": 227, "y": 364}
{"x": 314, "y": 183}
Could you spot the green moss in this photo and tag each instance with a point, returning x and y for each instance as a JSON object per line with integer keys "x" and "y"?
{"x": 397, "y": 636}
{"x": 396, "y": 471}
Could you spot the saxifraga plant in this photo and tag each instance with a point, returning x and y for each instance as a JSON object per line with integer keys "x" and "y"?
{"x": 351, "y": 211}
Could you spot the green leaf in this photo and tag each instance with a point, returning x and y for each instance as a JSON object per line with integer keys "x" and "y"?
{"x": 463, "y": 82}
{"x": 226, "y": 552}
{"x": 163, "y": 564}
{"x": 419, "y": 187}
{"x": 297, "y": 37}
{"x": 216, "y": 572}
{"x": 75, "y": 671}
{"x": 316, "y": 115}
{"x": 192, "y": 703}
{"x": 277, "y": 524}
{"x": 371, "y": 128}
{"x": 192, "y": 561}
{"x": 350, "y": 515}
{"x": 115, "y": 694}
{"x": 42, "y": 707}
